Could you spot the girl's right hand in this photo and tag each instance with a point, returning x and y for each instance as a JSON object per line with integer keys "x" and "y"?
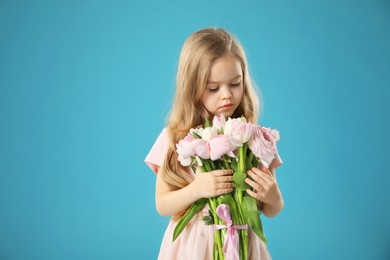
{"x": 214, "y": 183}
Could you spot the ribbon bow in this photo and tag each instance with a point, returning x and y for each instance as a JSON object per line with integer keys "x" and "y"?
{"x": 231, "y": 246}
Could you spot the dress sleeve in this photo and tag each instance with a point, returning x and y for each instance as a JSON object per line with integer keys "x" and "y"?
{"x": 156, "y": 155}
{"x": 276, "y": 162}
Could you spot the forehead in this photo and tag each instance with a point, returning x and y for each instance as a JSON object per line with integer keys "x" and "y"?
{"x": 224, "y": 69}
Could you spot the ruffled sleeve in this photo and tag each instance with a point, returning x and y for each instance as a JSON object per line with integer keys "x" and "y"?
{"x": 277, "y": 161}
{"x": 156, "y": 155}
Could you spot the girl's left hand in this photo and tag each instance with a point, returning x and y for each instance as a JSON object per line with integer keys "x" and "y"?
{"x": 264, "y": 184}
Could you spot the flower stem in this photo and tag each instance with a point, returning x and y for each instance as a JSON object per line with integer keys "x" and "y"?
{"x": 217, "y": 249}
{"x": 207, "y": 166}
{"x": 217, "y": 234}
{"x": 226, "y": 164}
{"x": 239, "y": 194}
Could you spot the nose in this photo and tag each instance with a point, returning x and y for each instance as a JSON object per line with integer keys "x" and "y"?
{"x": 225, "y": 92}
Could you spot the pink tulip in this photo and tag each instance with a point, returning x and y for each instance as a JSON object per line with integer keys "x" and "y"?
{"x": 184, "y": 151}
{"x": 196, "y": 132}
{"x": 184, "y": 161}
{"x": 263, "y": 144}
{"x": 271, "y": 133}
{"x": 184, "y": 148}
{"x": 219, "y": 123}
{"x": 201, "y": 148}
{"x": 239, "y": 130}
{"x": 220, "y": 145}
{"x": 209, "y": 132}
{"x": 189, "y": 137}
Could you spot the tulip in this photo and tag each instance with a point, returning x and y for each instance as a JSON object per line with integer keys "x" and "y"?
{"x": 212, "y": 148}
{"x": 201, "y": 148}
{"x": 263, "y": 144}
{"x": 220, "y": 145}
{"x": 239, "y": 130}
{"x": 219, "y": 123}
{"x": 185, "y": 152}
{"x": 209, "y": 132}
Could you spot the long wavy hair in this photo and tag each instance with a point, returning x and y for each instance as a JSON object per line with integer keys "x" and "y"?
{"x": 198, "y": 53}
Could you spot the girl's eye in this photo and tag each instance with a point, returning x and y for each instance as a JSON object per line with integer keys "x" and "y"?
{"x": 213, "y": 89}
{"x": 235, "y": 85}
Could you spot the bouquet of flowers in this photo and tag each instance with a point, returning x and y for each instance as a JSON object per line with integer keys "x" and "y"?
{"x": 228, "y": 144}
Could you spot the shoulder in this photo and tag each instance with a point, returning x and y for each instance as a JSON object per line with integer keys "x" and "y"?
{"x": 270, "y": 133}
{"x": 156, "y": 155}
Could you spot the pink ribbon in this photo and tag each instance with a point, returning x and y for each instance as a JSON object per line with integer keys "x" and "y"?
{"x": 231, "y": 246}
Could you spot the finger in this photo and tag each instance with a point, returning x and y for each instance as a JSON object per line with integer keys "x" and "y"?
{"x": 223, "y": 172}
{"x": 257, "y": 171}
{"x": 228, "y": 178}
{"x": 252, "y": 193}
{"x": 226, "y": 185}
{"x": 253, "y": 184}
{"x": 260, "y": 174}
{"x": 223, "y": 191}
{"x": 256, "y": 177}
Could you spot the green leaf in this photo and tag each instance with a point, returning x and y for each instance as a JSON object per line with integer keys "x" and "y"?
{"x": 251, "y": 214}
{"x": 234, "y": 164}
{"x": 194, "y": 209}
{"x": 193, "y": 168}
{"x": 214, "y": 165}
{"x": 207, "y": 123}
{"x": 218, "y": 164}
{"x": 207, "y": 165}
{"x": 208, "y": 220}
{"x": 196, "y": 135}
{"x": 239, "y": 180}
{"x": 255, "y": 161}
{"x": 248, "y": 163}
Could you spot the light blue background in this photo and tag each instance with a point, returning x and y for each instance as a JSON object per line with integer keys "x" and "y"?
{"x": 85, "y": 87}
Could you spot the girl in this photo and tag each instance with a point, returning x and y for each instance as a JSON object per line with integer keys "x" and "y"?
{"x": 212, "y": 79}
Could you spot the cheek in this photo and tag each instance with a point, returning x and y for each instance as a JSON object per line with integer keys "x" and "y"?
{"x": 239, "y": 93}
{"x": 203, "y": 99}
{"x": 206, "y": 100}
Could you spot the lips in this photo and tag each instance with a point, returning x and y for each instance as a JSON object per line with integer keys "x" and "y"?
{"x": 227, "y": 106}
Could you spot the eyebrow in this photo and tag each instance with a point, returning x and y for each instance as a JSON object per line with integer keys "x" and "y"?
{"x": 216, "y": 82}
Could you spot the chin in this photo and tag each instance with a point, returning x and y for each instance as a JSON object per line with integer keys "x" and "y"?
{"x": 226, "y": 114}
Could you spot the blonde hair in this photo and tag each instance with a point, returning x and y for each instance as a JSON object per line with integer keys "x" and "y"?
{"x": 198, "y": 53}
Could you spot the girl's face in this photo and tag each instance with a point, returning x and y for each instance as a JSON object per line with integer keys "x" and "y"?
{"x": 224, "y": 89}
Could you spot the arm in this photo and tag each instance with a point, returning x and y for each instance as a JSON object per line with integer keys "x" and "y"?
{"x": 273, "y": 208}
{"x": 205, "y": 185}
{"x": 169, "y": 203}
{"x": 266, "y": 190}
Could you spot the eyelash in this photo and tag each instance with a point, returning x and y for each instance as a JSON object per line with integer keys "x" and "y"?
{"x": 231, "y": 85}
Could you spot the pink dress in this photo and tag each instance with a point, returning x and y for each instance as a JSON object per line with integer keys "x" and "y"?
{"x": 196, "y": 240}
